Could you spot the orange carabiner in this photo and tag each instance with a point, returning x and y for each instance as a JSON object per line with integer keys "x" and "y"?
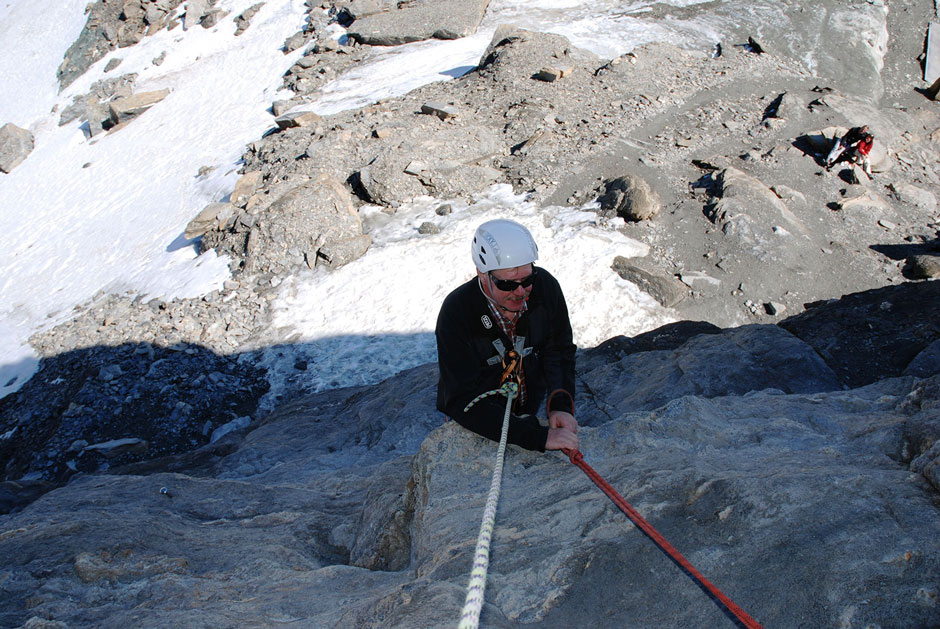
{"x": 511, "y": 366}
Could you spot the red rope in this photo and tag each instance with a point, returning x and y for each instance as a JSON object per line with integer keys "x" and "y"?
{"x": 578, "y": 459}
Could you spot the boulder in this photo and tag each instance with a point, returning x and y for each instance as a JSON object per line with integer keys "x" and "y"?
{"x": 280, "y": 107}
{"x": 755, "y": 220}
{"x": 417, "y": 21}
{"x": 297, "y": 119}
{"x": 125, "y": 109}
{"x": 871, "y": 335}
{"x": 213, "y": 216}
{"x": 661, "y": 286}
{"x": 923, "y": 267}
{"x": 212, "y": 17}
{"x": 15, "y": 145}
{"x": 195, "y": 10}
{"x": 440, "y": 110}
{"x": 630, "y": 197}
{"x": 752, "y": 358}
{"x": 312, "y": 223}
{"x": 340, "y": 252}
{"x": 916, "y": 196}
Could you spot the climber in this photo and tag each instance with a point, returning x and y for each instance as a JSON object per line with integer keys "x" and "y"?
{"x": 858, "y": 154}
{"x": 510, "y": 321}
{"x": 847, "y": 141}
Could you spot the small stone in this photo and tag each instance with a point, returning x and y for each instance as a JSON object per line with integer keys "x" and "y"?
{"x": 698, "y": 279}
{"x": 440, "y": 110}
{"x": 117, "y": 447}
{"x": 428, "y": 228}
{"x": 550, "y": 74}
{"x": 297, "y": 119}
{"x": 109, "y": 372}
{"x": 416, "y": 168}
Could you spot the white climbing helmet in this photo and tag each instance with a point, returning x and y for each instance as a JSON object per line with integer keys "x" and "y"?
{"x": 503, "y": 244}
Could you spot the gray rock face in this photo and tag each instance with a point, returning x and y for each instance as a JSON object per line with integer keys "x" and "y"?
{"x": 398, "y": 23}
{"x": 15, "y": 145}
{"x": 359, "y": 508}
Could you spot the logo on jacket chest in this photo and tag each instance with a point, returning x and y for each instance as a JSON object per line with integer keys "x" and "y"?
{"x": 487, "y": 322}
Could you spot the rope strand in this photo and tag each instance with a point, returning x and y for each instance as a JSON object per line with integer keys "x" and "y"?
{"x": 470, "y": 618}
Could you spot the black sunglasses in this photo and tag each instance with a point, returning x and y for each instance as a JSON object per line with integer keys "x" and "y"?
{"x": 508, "y": 286}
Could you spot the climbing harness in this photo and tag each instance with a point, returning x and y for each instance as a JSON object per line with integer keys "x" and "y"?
{"x": 740, "y": 616}
{"x": 470, "y": 618}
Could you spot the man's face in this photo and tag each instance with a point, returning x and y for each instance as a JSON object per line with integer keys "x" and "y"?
{"x": 513, "y": 300}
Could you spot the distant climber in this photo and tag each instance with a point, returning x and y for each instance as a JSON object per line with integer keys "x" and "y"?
{"x": 852, "y": 147}
{"x": 508, "y": 322}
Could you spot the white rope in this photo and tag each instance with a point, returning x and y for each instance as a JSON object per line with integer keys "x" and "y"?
{"x": 470, "y": 618}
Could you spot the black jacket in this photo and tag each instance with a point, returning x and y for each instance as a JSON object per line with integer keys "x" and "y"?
{"x": 468, "y": 365}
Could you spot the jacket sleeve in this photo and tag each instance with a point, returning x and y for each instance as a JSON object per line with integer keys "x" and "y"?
{"x": 558, "y": 355}
{"x": 464, "y": 375}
